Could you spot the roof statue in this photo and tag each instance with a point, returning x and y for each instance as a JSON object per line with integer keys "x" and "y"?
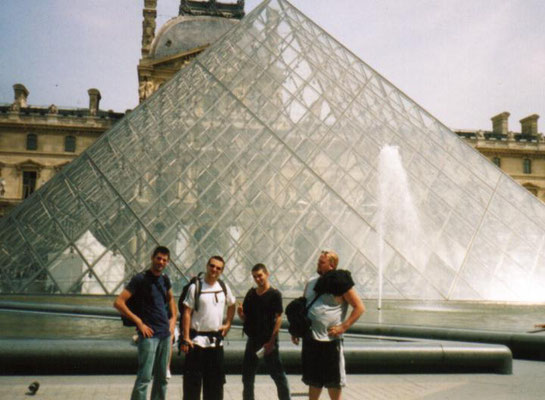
{"x": 212, "y": 8}
{"x": 269, "y": 147}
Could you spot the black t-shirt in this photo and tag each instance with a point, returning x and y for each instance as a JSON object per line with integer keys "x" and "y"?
{"x": 153, "y": 293}
{"x": 260, "y": 312}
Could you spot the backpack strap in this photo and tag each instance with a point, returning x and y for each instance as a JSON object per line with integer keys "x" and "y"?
{"x": 223, "y": 287}
{"x": 312, "y": 302}
{"x": 161, "y": 288}
{"x": 197, "y": 281}
{"x": 144, "y": 288}
{"x": 198, "y": 289}
{"x": 138, "y": 289}
{"x": 307, "y": 308}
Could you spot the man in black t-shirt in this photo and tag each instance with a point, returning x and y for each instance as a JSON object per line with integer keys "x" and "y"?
{"x": 262, "y": 316}
{"x": 153, "y": 291}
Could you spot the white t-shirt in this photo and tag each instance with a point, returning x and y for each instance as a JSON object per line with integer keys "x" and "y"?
{"x": 209, "y": 317}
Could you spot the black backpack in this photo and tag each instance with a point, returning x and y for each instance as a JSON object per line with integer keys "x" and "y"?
{"x": 296, "y": 313}
{"x": 134, "y": 303}
{"x": 197, "y": 281}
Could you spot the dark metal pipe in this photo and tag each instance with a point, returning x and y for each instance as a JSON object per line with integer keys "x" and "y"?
{"x": 56, "y": 356}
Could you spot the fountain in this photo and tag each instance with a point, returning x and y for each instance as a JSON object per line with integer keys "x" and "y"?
{"x": 398, "y": 221}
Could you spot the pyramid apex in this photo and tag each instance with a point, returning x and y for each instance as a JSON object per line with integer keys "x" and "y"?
{"x": 212, "y": 8}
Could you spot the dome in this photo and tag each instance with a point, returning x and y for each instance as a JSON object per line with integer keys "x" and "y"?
{"x": 187, "y": 32}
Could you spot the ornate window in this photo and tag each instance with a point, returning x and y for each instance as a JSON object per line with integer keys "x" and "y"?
{"x": 30, "y": 172}
{"x": 527, "y": 166}
{"x": 31, "y": 141}
{"x": 29, "y": 183}
{"x": 70, "y": 144}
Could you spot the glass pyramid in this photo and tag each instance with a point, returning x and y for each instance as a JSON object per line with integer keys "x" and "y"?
{"x": 266, "y": 149}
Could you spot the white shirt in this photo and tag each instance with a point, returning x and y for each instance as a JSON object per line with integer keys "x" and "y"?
{"x": 209, "y": 316}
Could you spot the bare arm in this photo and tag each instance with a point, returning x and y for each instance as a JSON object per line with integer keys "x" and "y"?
{"x": 240, "y": 312}
{"x": 186, "y": 322}
{"x": 352, "y": 298}
{"x": 120, "y": 304}
{"x": 230, "y": 315}
{"x": 269, "y": 346}
{"x": 277, "y": 325}
{"x": 173, "y": 311}
{"x": 240, "y": 307}
{"x": 186, "y": 318}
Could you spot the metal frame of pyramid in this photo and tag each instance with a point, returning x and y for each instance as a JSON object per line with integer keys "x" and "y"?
{"x": 265, "y": 149}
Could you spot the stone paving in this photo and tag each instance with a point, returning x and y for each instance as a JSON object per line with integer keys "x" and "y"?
{"x": 526, "y": 383}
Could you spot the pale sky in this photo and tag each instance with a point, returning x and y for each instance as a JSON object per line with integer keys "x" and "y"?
{"x": 462, "y": 60}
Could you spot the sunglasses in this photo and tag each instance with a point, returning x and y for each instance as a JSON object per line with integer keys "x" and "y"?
{"x": 215, "y": 267}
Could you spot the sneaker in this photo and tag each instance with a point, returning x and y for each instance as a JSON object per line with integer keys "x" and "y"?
{"x": 169, "y": 375}
{"x": 134, "y": 340}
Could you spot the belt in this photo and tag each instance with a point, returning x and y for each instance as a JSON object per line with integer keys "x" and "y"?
{"x": 215, "y": 337}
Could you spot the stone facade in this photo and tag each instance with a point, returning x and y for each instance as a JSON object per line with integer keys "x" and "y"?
{"x": 199, "y": 24}
{"x": 37, "y": 142}
{"x": 519, "y": 154}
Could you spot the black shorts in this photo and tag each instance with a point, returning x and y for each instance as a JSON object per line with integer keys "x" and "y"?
{"x": 323, "y": 363}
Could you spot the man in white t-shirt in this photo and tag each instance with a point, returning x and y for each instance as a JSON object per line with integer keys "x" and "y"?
{"x": 203, "y": 333}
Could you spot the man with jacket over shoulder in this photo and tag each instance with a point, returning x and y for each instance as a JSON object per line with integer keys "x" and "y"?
{"x": 330, "y": 293}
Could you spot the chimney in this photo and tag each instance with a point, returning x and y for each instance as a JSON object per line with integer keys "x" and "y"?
{"x": 500, "y": 123}
{"x": 21, "y": 94}
{"x": 94, "y": 100}
{"x": 528, "y": 125}
{"x": 148, "y": 25}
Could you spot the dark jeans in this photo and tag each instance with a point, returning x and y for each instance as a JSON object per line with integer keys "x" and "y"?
{"x": 274, "y": 367}
{"x": 204, "y": 367}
